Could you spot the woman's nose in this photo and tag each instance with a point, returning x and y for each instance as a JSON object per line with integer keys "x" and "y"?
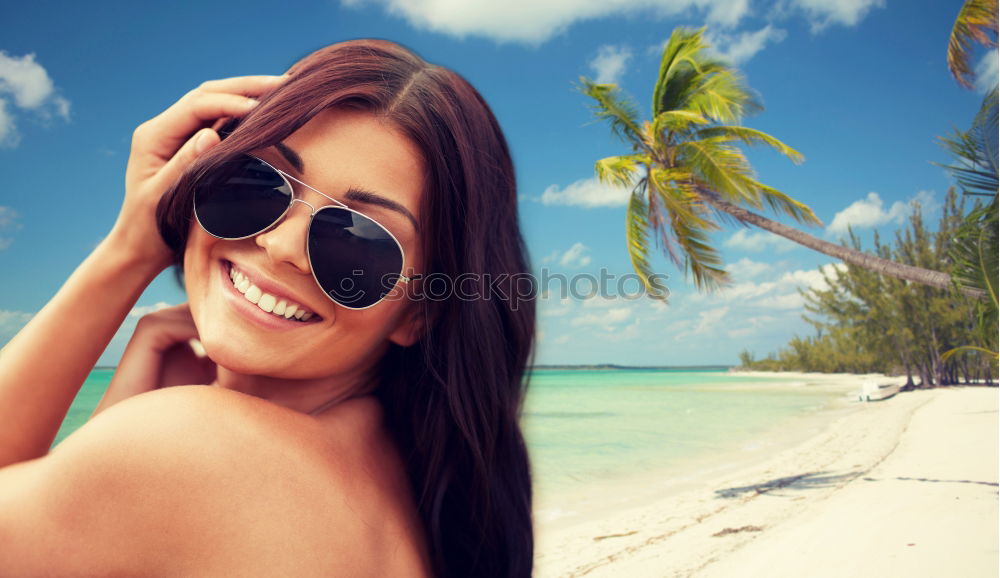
{"x": 286, "y": 241}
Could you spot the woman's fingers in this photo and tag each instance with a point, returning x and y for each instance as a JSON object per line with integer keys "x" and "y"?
{"x": 172, "y": 170}
{"x": 245, "y": 85}
{"x": 160, "y": 137}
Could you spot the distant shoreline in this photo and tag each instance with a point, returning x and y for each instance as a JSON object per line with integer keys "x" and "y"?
{"x": 615, "y": 367}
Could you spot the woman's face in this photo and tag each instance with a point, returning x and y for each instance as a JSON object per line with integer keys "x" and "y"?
{"x": 341, "y": 150}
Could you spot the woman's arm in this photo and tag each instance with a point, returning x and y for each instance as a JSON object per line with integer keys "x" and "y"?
{"x": 43, "y": 367}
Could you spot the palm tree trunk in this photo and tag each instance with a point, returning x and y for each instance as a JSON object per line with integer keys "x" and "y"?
{"x": 848, "y": 255}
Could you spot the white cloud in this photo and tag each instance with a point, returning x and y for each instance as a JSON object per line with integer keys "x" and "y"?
{"x": 986, "y": 72}
{"x": 26, "y": 82}
{"x": 607, "y": 320}
{"x": 776, "y": 293}
{"x": 551, "y": 257}
{"x": 8, "y": 222}
{"x": 739, "y": 48}
{"x": 726, "y": 13}
{"x": 868, "y": 212}
{"x": 561, "y": 309}
{"x": 8, "y": 217}
{"x": 753, "y": 326}
{"x": 575, "y": 256}
{"x": 709, "y": 320}
{"x": 534, "y": 21}
{"x": 140, "y": 310}
{"x": 586, "y": 193}
{"x": 8, "y": 131}
{"x": 746, "y": 269}
{"x": 609, "y": 64}
{"x": 758, "y": 241}
{"x": 822, "y": 13}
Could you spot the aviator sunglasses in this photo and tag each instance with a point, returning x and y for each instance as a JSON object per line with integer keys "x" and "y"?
{"x": 355, "y": 260}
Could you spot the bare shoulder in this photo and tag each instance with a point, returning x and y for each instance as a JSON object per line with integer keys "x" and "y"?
{"x": 204, "y": 481}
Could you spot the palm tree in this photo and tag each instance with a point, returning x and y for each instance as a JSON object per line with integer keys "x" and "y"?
{"x": 975, "y": 248}
{"x": 687, "y": 175}
{"x": 975, "y": 21}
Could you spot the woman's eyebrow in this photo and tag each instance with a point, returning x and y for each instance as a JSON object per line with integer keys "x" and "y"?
{"x": 291, "y": 156}
{"x": 358, "y": 195}
{"x": 362, "y": 196}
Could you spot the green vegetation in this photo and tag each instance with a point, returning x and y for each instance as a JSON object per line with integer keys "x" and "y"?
{"x": 866, "y": 322}
{"x": 687, "y": 174}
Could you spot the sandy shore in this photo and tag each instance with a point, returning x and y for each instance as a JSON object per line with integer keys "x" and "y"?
{"x": 902, "y": 487}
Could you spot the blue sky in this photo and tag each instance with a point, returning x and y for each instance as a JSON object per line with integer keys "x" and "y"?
{"x": 860, "y": 87}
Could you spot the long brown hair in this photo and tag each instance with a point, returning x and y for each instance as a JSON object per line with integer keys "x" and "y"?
{"x": 452, "y": 400}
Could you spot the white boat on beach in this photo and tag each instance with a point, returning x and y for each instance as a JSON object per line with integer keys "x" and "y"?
{"x": 872, "y": 391}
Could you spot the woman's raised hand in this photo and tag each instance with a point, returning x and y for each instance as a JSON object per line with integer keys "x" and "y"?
{"x": 166, "y": 145}
{"x": 160, "y": 354}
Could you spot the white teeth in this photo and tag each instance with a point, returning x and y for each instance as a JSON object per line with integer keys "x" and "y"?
{"x": 254, "y": 294}
{"x": 265, "y": 301}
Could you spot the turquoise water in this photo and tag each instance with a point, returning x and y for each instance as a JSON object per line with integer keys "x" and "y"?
{"x": 586, "y": 427}
{"x": 85, "y": 402}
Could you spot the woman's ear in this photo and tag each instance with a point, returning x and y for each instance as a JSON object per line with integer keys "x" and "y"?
{"x": 411, "y": 325}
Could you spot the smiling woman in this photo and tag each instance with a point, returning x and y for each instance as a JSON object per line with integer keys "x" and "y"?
{"x": 339, "y": 421}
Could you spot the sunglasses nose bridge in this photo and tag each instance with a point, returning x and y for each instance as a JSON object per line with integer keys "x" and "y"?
{"x": 312, "y": 209}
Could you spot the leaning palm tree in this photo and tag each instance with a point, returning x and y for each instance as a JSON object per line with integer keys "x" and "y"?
{"x": 687, "y": 175}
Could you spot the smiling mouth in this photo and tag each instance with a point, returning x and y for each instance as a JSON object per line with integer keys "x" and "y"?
{"x": 269, "y": 303}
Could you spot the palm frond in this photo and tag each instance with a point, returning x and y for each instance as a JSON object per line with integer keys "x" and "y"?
{"x": 721, "y": 168}
{"x": 677, "y": 68}
{"x": 974, "y": 251}
{"x": 676, "y": 121}
{"x": 637, "y": 240}
{"x": 781, "y": 203}
{"x": 613, "y": 106}
{"x": 751, "y": 137}
{"x": 688, "y": 229}
{"x": 620, "y": 170}
{"x": 722, "y": 95}
{"x": 975, "y": 21}
{"x": 976, "y": 151}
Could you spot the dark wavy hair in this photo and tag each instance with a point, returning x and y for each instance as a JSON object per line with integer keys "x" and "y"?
{"x": 452, "y": 400}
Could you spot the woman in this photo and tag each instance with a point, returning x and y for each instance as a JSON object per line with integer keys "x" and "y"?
{"x": 355, "y": 424}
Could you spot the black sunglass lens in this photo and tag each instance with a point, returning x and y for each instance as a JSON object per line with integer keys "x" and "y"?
{"x": 240, "y": 197}
{"x": 355, "y": 260}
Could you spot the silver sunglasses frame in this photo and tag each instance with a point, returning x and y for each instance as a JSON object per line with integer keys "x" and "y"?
{"x": 312, "y": 213}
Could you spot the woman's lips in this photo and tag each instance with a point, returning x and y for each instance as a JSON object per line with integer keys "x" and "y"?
{"x": 276, "y": 307}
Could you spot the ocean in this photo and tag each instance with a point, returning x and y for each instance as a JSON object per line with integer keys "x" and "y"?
{"x": 592, "y": 433}
{"x": 588, "y": 429}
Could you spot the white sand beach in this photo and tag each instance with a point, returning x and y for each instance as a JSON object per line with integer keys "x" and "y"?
{"x": 901, "y": 487}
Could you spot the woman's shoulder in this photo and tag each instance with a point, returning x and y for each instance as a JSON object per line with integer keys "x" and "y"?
{"x": 242, "y": 481}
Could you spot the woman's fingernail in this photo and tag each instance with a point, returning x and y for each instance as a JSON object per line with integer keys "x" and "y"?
{"x": 201, "y": 142}
{"x": 252, "y": 102}
{"x": 197, "y": 348}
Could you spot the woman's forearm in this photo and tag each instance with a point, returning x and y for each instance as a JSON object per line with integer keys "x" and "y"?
{"x": 44, "y": 366}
